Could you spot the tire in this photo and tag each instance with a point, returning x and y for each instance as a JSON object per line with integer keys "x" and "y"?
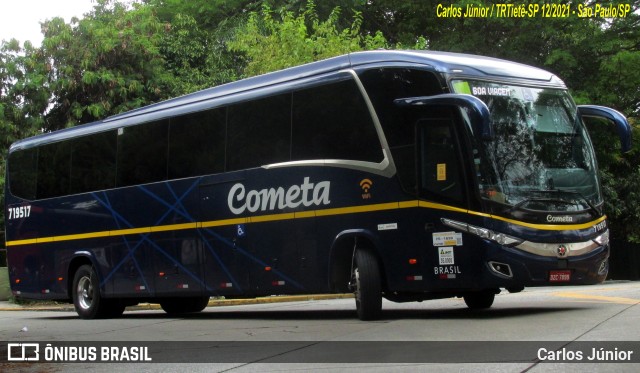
{"x": 87, "y": 300}
{"x": 177, "y": 306}
{"x": 480, "y": 300}
{"x": 368, "y": 291}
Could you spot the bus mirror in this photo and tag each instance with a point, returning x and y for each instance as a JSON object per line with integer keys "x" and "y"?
{"x": 620, "y": 121}
{"x": 477, "y": 110}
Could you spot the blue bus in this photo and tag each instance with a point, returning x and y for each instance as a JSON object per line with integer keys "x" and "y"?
{"x": 404, "y": 175}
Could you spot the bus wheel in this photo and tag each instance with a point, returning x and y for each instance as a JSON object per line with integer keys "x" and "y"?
{"x": 368, "y": 292}
{"x": 480, "y": 300}
{"x": 87, "y": 300}
{"x": 176, "y": 306}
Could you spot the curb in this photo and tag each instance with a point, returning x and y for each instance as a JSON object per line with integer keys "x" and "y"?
{"x": 212, "y": 302}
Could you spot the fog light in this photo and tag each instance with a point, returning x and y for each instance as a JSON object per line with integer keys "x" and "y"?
{"x": 501, "y": 269}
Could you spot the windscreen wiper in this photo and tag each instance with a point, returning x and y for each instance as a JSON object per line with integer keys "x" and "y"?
{"x": 594, "y": 211}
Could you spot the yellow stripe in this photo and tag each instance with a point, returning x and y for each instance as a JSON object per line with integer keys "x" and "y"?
{"x": 22, "y": 242}
{"x": 82, "y": 236}
{"x": 304, "y": 214}
{"x": 408, "y": 204}
{"x": 357, "y": 209}
{"x": 174, "y": 227}
{"x": 274, "y": 217}
{"x": 220, "y": 223}
{"x": 297, "y": 215}
{"x": 124, "y": 232}
{"x": 431, "y": 205}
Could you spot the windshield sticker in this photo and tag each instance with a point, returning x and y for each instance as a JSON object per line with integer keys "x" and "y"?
{"x": 447, "y": 239}
{"x": 445, "y": 255}
{"x": 441, "y": 172}
{"x": 491, "y": 91}
{"x": 462, "y": 87}
{"x": 527, "y": 94}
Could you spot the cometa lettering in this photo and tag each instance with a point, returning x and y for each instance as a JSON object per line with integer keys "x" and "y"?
{"x": 307, "y": 194}
{"x": 559, "y": 219}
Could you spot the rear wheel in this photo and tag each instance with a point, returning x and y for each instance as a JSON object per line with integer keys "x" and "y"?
{"x": 368, "y": 292}
{"x": 87, "y": 300}
{"x": 480, "y": 300}
{"x": 176, "y": 306}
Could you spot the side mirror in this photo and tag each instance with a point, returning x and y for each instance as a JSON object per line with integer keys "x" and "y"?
{"x": 618, "y": 119}
{"x": 476, "y": 109}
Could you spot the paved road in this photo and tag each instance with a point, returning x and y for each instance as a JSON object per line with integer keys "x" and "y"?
{"x": 325, "y": 334}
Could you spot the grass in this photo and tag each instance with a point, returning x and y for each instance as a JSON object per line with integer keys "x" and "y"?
{"x": 5, "y": 292}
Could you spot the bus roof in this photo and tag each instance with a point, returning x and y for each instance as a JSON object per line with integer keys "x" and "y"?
{"x": 452, "y": 64}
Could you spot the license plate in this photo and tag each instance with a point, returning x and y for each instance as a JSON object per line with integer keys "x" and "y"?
{"x": 560, "y": 276}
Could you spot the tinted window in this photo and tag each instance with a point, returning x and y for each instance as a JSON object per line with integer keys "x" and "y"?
{"x": 388, "y": 84}
{"x": 196, "y": 144}
{"x": 54, "y": 170}
{"x": 93, "y": 163}
{"x": 333, "y": 122}
{"x": 142, "y": 153}
{"x": 23, "y": 173}
{"x": 259, "y": 132}
{"x": 385, "y": 85}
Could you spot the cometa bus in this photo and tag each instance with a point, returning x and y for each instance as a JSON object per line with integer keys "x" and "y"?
{"x": 405, "y": 175}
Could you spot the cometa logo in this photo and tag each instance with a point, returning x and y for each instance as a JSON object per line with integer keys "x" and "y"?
{"x": 559, "y": 219}
{"x": 306, "y": 194}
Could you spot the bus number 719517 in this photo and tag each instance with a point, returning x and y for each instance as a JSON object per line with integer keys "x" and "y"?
{"x": 19, "y": 212}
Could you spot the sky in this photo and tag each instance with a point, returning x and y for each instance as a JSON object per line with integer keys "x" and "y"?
{"x": 20, "y": 19}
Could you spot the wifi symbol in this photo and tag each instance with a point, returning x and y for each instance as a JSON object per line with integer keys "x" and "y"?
{"x": 365, "y": 184}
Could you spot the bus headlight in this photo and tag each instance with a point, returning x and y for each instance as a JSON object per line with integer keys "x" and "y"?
{"x": 602, "y": 239}
{"x": 500, "y": 238}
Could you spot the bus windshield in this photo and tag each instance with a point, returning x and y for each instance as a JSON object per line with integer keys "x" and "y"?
{"x": 541, "y": 157}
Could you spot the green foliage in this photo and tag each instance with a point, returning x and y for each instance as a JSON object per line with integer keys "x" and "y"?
{"x": 619, "y": 174}
{"x": 276, "y": 42}
{"x": 209, "y": 15}
{"x": 197, "y": 59}
{"x": 104, "y": 64}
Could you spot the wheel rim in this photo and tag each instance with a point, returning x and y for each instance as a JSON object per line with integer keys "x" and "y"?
{"x": 85, "y": 293}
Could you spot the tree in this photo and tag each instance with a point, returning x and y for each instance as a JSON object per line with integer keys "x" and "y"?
{"x": 272, "y": 43}
{"x": 104, "y": 64}
{"x": 196, "y": 58}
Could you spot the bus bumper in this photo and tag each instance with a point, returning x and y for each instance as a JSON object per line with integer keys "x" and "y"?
{"x": 510, "y": 267}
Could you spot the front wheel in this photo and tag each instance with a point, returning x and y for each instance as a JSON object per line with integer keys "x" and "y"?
{"x": 480, "y": 300}
{"x": 368, "y": 292}
{"x": 87, "y": 300}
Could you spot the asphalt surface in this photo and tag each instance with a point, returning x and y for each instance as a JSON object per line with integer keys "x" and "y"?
{"x": 53, "y": 306}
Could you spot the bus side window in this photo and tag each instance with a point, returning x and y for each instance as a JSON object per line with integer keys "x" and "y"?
{"x": 259, "y": 132}
{"x": 196, "y": 144}
{"x": 142, "y": 153}
{"x": 332, "y": 121}
{"x": 384, "y": 85}
{"x": 93, "y": 162}
{"x": 54, "y": 168}
{"x": 23, "y": 166}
